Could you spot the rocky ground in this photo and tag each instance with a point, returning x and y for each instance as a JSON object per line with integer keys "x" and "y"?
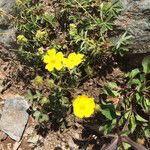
{"x": 135, "y": 18}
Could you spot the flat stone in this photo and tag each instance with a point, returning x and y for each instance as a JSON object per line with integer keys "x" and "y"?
{"x": 135, "y": 19}
{"x": 8, "y": 37}
{"x": 14, "y": 117}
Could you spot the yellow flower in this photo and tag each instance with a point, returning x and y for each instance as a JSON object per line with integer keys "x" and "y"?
{"x": 73, "y": 60}
{"x": 73, "y": 30}
{"x": 21, "y": 39}
{"x": 40, "y": 34}
{"x": 53, "y": 60}
{"x": 83, "y": 106}
{"x": 38, "y": 81}
{"x": 40, "y": 51}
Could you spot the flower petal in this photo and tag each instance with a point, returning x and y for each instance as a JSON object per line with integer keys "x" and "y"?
{"x": 49, "y": 67}
{"x": 59, "y": 56}
{"x": 46, "y": 59}
{"x": 58, "y": 65}
{"x": 72, "y": 56}
{"x": 51, "y": 52}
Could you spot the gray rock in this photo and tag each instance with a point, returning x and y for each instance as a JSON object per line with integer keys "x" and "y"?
{"x": 135, "y": 19}
{"x": 7, "y": 7}
{"x": 7, "y": 31}
{"x": 8, "y": 37}
{"x": 14, "y": 117}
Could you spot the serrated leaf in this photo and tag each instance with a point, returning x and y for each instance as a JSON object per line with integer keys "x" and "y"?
{"x": 136, "y": 82}
{"x": 138, "y": 97}
{"x": 147, "y": 104}
{"x": 133, "y": 73}
{"x": 133, "y": 123}
{"x": 44, "y": 100}
{"x": 125, "y": 133}
{"x": 108, "y": 111}
{"x": 29, "y": 96}
{"x": 146, "y": 64}
{"x": 126, "y": 114}
{"x": 43, "y": 118}
{"x": 126, "y": 146}
{"x": 37, "y": 114}
{"x": 139, "y": 118}
{"x": 147, "y": 132}
{"x": 111, "y": 92}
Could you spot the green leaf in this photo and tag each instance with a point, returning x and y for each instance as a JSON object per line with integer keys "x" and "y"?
{"x": 146, "y": 103}
{"x": 89, "y": 70}
{"x": 111, "y": 125}
{"x": 142, "y": 77}
{"x": 147, "y": 132}
{"x": 37, "y": 114}
{"x": 133, "y": 123}
{"x": 107, "y": 128}
{"x": 113, "y": 85}
{"x": 133, "y": 73}
{"x": 40, "y": 116}
{"x": 43, "y": 118}
{"x": 126, "y": 146}
{"x": 121, "y": 121}
{"x": 44, "y": 100}
{"x": 136, "y": 82}
{"x": 127, "y": 114}
{"x": 29, "y": 96}
{"x": 125, "y": 133}
{"x": 139, "y": 118}
{"x": 108, "y": 111}
{"x": 110, "y": 92}
{"x": 138, "y": 97}
{"x": 37, "y": 96}
{"x": 65, "y": 102}
{"x": 146, "y": 64}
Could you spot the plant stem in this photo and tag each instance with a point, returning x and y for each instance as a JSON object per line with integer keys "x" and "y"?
{"x": 86, "y": 11}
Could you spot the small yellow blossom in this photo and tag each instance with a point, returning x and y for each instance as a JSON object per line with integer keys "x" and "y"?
{"x": 53, "y": 60}
{"x": 40, "y": 51}
{"x": 73, "y": 30}
{"x": 73, "y": 60}
{"x": 83, "y": 106}
{"x": 38, "y": 81}
{"x": 21, "y": 39}
{"x": 40, "y": 34}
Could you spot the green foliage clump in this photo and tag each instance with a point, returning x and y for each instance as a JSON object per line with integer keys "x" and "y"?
{"x": 77, "y": 26}
{"x": 127, "y": 107}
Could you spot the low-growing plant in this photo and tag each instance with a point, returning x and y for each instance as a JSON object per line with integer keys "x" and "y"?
{"x": 84, "y": 26}
{"x": 126, "y": 108}
{"x": 121, "y": 46}
{"x": 40, "y": 43}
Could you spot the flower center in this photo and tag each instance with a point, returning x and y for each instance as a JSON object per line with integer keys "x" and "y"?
{"x": 53, "y": 61}
{"x": 82, "y": 107}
